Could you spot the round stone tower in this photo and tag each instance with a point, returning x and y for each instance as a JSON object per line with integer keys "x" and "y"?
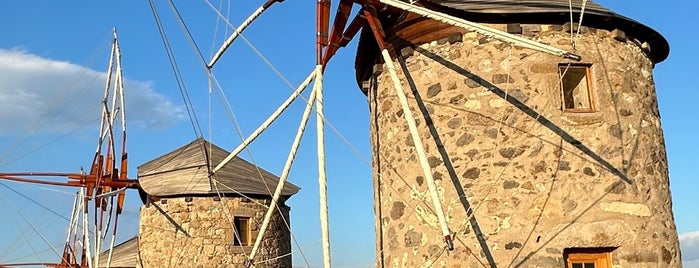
{"x": 189, "y": 220}
{"x": 539, "y": 161}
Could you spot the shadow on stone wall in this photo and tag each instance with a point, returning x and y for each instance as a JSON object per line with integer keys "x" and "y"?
{"x": 177, "y": 226}
{"x": 615, "y": 101}
{"x": 450, "y": 167}
{"x": 543, "y": 208}
{"x": 528, "y": 111}
{"x": 565, "y": 137}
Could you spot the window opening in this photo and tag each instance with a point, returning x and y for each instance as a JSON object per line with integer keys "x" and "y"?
{"x": 576, "y": 87}
{"x": 588, "y": 258}
{"x": 241, "y": 236}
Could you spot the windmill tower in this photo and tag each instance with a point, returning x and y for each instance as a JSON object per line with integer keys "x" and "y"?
{"x": 191, "y": 220}
{"x": 530, "y": 159}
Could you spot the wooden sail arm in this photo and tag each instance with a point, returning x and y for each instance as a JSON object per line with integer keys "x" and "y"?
{"x": 124, "y": 165}
{"x": 341, "y": 17}
{"x": 357, "y": 23}
{"x": 373, "y": 21}
{"x": 322, "y": 25}
{"x": 338, "y": 38}
{"x": 68, "y": 254}
{"x": 74, "y": 179}
{"x": 45, "y": 264}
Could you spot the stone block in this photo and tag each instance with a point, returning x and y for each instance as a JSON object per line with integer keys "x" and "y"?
{"x": 531, "y": 28}
{"x": 514, "y": 28}
{"x": 640, "y": 210}
{"x": 455, "y": 38}
{"x": 619, "y": 35}
{"x": 377, "y": 69}
{"x": 502, "y": 78}
{"x": 433, "y": 90}
{"x": 406, "y": 52}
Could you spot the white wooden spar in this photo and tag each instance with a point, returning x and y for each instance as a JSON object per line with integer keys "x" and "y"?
{"x": 322, "y": 180}
{"x": 472, "y": 26}
{"x": 266, "y": 123}
{"x": 285, "y": 174}
{"x": 419, "y": 149}
{"x": 73, "y": 217}
{"x": 412, "y": 127}
{"x": 86, "y": 234}
{"x": 238, "y": 31}
{"x": 120, "y": 88}
{"x": 104, "y": 100}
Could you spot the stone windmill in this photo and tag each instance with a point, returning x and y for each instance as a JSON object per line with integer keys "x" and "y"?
{"x": 504, "y": 133}
{"x": 198, "y": 221}
{"x": 535, "y": 160}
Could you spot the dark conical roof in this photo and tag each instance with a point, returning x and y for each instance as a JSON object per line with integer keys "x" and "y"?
{"x": 408, "y": 27}
{"x": 184, "y": 171}
{"x": 555, "y": 11}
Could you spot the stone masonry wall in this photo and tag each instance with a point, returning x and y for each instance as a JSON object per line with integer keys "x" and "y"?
{"x": 198, "y": 232}
{"x": 540, "y": 180}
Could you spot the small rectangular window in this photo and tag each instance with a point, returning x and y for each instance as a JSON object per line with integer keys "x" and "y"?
{"x": 588, "y": 257}
{"x": 576, "y": 88}
{"x": 241, "y": 236}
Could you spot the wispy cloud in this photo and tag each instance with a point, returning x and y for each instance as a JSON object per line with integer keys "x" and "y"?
{"x": 48, "y": 96}
{"x": 689, "y": 245}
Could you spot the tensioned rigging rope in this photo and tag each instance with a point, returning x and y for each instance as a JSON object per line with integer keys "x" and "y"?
{"x": 23, "y": 239}
{"x": 350, "y": 144}
{"x": 29, "y": 243}
{"x": 195, "y": 48}
{"x": 53, "y": 141}
{"x": 252, "y": 159}
{"x": 582, "y": 12}
{"x": 36, "y": 124}
{"x": 290, "y": 253}
{"x": 231, "y": 115}
{"x": 195, "y": 124}
{"x": 267, "y": 122}
{"x": 570, "y": 11}
{"x": 237, "y": 32}
{"x": 532, "y": 125}
{"x": 281, "y": 76}
{"x": 17, "y": 243}
{"x": 34, "y": 201}
{"x": 285, "y": 174}
{"x": 224, "y": 99}
{"x": 14, "y": 259}
{"x": 501, "y": 119}
{"x": 286, "y": 81}
{"x": 254, "y": 49}
{"x": 33, "y": 227}
{"x": 419, "y": 148}
{"x": 197, "y": 51}
{"x": 191, "y": 40}
{"x": 485, "y": 30}
{"x": 176, "y": 71}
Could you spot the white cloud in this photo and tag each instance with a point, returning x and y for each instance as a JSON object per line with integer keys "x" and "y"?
{"x": 35, "y": 88}
{"x": 689, "y": 245}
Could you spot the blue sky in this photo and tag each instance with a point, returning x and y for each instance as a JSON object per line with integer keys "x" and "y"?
{"x": 45, "y": 44}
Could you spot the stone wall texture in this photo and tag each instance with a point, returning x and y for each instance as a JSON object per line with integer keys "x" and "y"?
{"x": 198, "y": 232}
{"x": 538, "y": 180}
